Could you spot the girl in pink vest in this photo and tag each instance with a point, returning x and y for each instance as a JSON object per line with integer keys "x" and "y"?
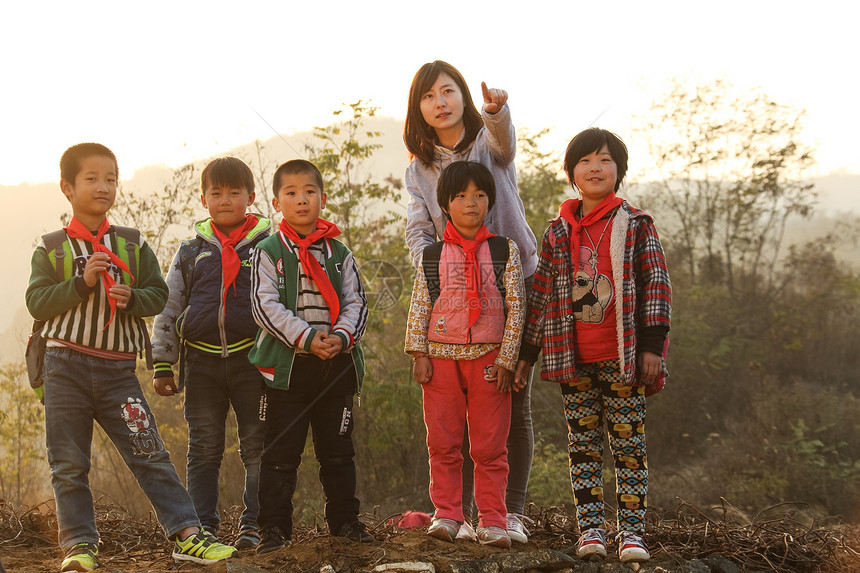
{"x": 464, "y": 329}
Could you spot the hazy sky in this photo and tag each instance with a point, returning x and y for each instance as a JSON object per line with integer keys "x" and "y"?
{"x": 171, "y": 82}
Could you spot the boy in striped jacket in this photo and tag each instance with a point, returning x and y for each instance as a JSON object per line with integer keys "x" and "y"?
{"x": 93, "y": 298}
{"x": 600, "y": 313}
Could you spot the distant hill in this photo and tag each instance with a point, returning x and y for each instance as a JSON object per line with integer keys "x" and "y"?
{"x": 32, "y": 209}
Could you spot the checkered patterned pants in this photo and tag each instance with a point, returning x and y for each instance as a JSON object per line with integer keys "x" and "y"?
{"x": 596, "y": 397}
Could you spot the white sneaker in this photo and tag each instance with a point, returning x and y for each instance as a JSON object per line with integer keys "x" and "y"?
{"x": 631, "y": 548}
{"x": 592, "y": 542}
{"x": 516, "y": 530}
{"x": 466, "y": 532}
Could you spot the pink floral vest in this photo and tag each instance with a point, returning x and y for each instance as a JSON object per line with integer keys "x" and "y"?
{"x": 450, "y": 317}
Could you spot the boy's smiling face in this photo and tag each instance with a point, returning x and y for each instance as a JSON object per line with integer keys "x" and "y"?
{"x": 227, "y": 206}
{"x": 93, "y": 191}
{"x": 300, "y": 201}
{"x": 468, "y": 209}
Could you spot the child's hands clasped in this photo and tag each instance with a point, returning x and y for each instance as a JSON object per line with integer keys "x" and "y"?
{"x": 122, "y": 295}
{"x": 504, "y": 378}
{"x": 650, "y": 367}
{"x": 326, "y": 346}
{"x": 521, "y": 375}
{"x": 494, "y": 99}
{"x": 96, "y": 265}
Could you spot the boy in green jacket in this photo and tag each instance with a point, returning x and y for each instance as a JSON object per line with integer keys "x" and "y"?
{"x": 308, "y": 300}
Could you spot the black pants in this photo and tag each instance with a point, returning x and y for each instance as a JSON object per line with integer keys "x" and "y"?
{"x": 317, "y": 398}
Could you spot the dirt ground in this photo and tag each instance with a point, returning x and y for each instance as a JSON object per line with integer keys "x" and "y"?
{"x": 134, "y": 545}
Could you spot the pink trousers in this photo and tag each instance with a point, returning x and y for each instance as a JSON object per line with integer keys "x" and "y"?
{"x": 459, "y": 391}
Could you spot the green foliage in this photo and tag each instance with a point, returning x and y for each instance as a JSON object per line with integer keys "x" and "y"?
{"x": 730, "y": 177}
{"x": 360, "y": 204}
{"x": 540, "y": 180}
{"x": 22, "y": 438}
{"x": 549, "y": 482}
{"x": 165, "y": 217}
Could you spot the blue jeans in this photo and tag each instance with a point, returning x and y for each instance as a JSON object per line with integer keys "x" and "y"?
{"x": 212, "y": 385}
{"x": 80, "y": 388}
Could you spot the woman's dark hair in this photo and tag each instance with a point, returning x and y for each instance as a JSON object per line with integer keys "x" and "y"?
{"x": 419, "y": 137}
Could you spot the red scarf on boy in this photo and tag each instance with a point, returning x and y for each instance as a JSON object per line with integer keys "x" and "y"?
{"x": 568, "y": 213}
{"x": 325, "y": 230}
{"x": 473, "y": 279}
{"x": 77, "y": 230}
{"x": 230, "y": 262}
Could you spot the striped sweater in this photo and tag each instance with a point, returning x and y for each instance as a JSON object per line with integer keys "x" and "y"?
{"x": 76, "y": 314}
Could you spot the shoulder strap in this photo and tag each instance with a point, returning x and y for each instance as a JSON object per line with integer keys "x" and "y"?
{"x": 54, "y": 242}
{"x": 188, "y": 252}
{"x": 430, "y": 264}
{"x": 499, "y": 252}
{"x": 132, "y": 244}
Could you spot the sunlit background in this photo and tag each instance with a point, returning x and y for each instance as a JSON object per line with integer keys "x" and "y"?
{"x": 170, "y": 82}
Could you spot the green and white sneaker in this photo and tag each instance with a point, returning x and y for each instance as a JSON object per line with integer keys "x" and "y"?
{"x": 81, "y": 557}
{"x": 202, "y": 548}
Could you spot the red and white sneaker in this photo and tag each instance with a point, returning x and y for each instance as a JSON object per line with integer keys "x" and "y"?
{"x": 592, "y": 542}
{"x": 631, "y": 548}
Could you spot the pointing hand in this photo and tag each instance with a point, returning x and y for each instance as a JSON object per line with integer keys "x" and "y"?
{"x": 494, "y": 99}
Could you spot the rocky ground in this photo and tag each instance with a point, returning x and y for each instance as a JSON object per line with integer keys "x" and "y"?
{"x": 688, "y": 540}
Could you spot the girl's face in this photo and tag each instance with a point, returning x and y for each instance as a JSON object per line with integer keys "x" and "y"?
{"x": 595, "y": 176}
{"x": 442, "y": 106}
{"x": 468, "y": 209}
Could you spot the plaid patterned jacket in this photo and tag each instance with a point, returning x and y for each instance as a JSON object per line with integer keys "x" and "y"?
{"x": 638, "y": 266}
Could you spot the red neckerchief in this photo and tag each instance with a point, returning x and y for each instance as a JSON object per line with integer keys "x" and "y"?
{"x": 327, "y": 230}
{"x": 77, "y": 230}
{"x": 568, "y": 213}
{"x": 229, "y": 258}
{"x": 473, "y": 280}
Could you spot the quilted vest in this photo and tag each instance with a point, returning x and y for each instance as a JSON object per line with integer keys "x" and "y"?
{"x": 449, "y": 318}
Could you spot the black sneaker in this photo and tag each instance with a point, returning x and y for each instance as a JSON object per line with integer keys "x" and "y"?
{"x": 272, "y": 539}
{"x": 355, "y": 531}
{"x": 249, "y": 538}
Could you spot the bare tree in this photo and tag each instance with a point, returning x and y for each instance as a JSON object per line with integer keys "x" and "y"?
{"x": 731, "y": 170}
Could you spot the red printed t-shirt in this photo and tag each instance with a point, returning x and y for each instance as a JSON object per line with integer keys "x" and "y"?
{"x": 594, "y": 295}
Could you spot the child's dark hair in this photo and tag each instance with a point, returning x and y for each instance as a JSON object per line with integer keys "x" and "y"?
{"x": 590, "y": 141}
{"x": 227, "y": 173}
{"x": 419, "y": 137}
{"x": 293, "y": 167}
{"x": 70, "y": 162}
{"x": 457, "y": 176}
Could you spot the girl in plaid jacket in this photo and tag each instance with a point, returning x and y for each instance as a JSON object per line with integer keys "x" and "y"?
{"x": 600, "y": 311}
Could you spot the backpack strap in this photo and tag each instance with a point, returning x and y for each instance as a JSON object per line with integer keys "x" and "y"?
{"x": 54, "y": 242}
{"x": 499, "y": 252}
{"x": 132, "y": 245}
{"x": 132, "y": 248}
{"x": 430, "y": 264}
{"x": 188, "y": 252}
